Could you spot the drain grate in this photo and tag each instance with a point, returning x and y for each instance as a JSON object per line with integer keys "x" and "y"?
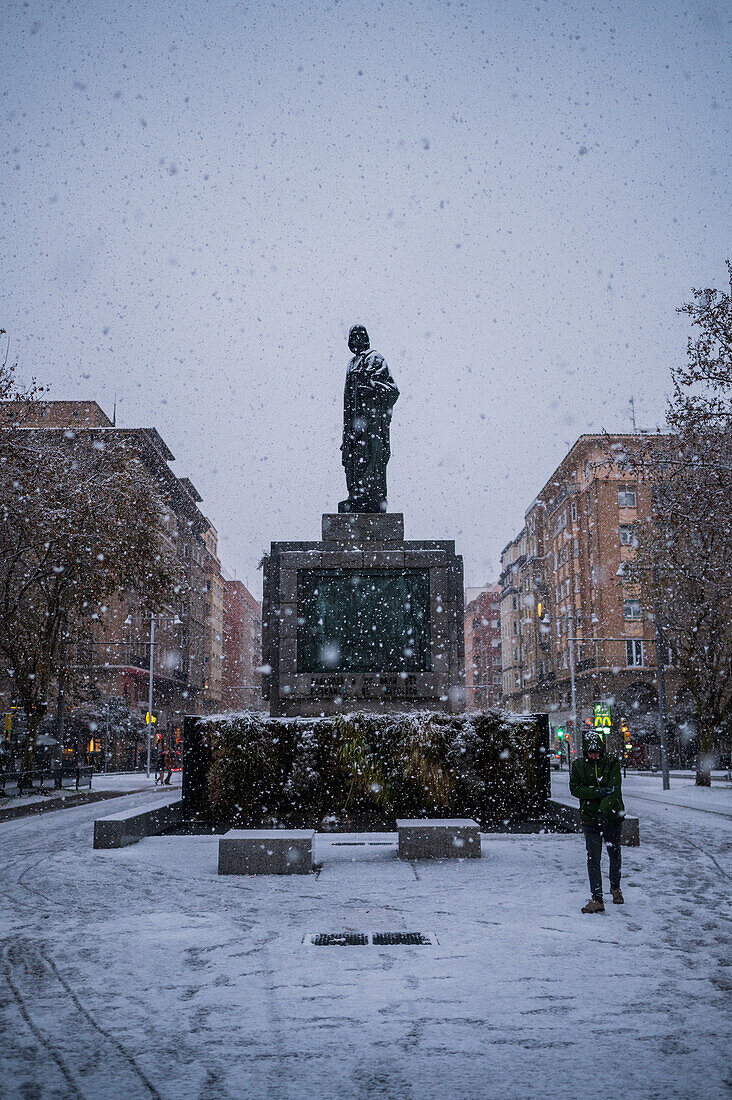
{"x": 363, "y": 843}
{"x": 391, "y": 939}
{"x": 366, "y": 939}
{"x": 339, "y": 939}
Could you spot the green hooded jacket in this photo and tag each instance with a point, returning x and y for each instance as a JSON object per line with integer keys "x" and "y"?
{"x": 588, "y": 775}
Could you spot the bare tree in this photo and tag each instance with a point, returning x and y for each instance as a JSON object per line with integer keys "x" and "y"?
{"x": 684, "y": 563}
{"x": 81, "y": 522}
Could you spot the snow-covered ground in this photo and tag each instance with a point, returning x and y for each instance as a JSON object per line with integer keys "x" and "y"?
{"x": 139, "y": 972}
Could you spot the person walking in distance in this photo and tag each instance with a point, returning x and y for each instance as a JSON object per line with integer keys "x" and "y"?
{"x": 596, "y": 781}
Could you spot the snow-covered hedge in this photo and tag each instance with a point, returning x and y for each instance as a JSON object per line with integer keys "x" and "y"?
{"x": 365, "y": 770}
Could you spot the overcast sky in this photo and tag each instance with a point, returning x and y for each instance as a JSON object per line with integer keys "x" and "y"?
{"x": 198, "y": 200}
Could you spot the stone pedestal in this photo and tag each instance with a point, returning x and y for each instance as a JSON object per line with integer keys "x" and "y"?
{"x": 363, "y": 620}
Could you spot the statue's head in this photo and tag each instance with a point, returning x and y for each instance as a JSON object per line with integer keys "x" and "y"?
{"x": 358, "y": 339}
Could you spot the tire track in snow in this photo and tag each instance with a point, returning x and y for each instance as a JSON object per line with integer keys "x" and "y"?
{"x": 34, "y": 980}
{"x": 38, "y": 1035}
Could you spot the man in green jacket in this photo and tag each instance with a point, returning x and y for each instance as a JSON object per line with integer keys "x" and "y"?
{"x": 595, "y": 780}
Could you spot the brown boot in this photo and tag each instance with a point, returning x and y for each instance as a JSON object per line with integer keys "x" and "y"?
{"x": 593, "y": 906}
{"x": 618, "y": 898}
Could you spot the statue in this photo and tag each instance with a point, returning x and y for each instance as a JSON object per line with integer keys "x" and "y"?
{"x": 368, "y": 399}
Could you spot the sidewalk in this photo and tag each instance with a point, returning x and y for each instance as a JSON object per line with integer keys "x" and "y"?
{"x": 103, "y": 787}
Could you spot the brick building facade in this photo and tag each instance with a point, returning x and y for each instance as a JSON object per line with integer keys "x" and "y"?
{"x": 566, "y": 601}
{"x": 242, "y": 680}
{"x": 483, "y": 683}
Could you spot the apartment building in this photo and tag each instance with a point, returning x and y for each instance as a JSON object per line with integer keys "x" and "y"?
{"x": 482, "y": 624}
{"x": 242, "y": 680}
{"x": 569, "y": 612}
{"x": 213, "y": 650}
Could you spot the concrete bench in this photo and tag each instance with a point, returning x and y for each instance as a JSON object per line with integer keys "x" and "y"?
{"x": 129, "y": 826}
{"x": 438, "y": 838}
{"x": 266, "y": 852}
{"x": 567, "y": 814}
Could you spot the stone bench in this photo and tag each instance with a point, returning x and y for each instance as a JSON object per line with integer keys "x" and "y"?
{"x": 438, "y": 838}
{"x": 129, "y": 826}
{"x": 266, "y": 852}
{"x": 567, "y": 814}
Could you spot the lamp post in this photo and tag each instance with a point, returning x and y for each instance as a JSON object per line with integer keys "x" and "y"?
{"x": 150, "y": 691}
{"x": 62, "y": 683}
{"x": 660, "y": 673}
{"x": 572, "y": 680}
{"x": 660, "y": 680}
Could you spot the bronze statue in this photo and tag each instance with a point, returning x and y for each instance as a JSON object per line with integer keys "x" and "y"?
{"x": 368, "y": 399}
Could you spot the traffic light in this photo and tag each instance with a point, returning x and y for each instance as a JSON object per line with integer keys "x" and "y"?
{"x": 561, "y": 734}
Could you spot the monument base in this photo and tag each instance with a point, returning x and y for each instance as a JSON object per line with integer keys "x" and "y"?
{"x": 362, "y": 620}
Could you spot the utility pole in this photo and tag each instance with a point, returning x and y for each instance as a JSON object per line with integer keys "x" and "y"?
{"x": 150, "y": 691}
{"x": 106, "y": 737}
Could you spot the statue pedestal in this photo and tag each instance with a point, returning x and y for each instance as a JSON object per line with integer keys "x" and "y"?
{"x": 363, "y": 620}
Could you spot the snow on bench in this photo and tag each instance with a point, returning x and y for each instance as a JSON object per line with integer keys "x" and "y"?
{"x": 129, "y": 826}
{"x": 438, "y": 838}
{"x": 266, "y": 852}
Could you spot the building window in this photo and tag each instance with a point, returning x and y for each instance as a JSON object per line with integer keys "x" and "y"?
{"x": 634, "y": 653}
{"x": 631, "y": 609}
{"x": 624, "y": 571}
{"x": 574, "y": 511}
{"x": 587, "y": 474}
{"x": 575, "y": 548}
{"x": 626, "y": 534}
{"x": 626, "y": 496}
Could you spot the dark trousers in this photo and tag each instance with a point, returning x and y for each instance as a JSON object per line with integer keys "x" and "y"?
{"x": 595, "y": 832}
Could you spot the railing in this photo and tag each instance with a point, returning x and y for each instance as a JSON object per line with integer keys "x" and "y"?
{"x": 43, "y": 779}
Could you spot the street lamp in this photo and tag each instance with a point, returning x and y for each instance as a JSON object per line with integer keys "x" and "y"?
{"x": 150, "y": 691}
{"x": 660, "y": 673}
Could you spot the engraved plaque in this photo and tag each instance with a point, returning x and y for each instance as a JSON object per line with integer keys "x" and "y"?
{"x": 363, "y": 620}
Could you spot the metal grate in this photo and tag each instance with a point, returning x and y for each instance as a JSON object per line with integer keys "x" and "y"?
{"x": 366, "y": 939}
{"x": 339, "y": 939}
{"x": 391, "y": 939}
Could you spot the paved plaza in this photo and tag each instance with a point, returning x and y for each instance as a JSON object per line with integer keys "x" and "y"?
{"x": 139, "y": 972}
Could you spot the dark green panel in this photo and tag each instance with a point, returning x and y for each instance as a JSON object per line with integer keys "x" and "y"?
{"x": 368, "y": 620}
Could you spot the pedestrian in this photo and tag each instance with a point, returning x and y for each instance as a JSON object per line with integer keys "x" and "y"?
{"x": 168, "y": 767}
{"x": 595, "y": 780}
{"x": 160, "y": 773}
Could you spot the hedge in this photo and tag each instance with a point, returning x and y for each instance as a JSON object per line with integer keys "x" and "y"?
{"x": 361, "y": 771}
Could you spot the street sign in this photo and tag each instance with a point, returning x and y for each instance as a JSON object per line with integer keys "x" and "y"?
{"x": 602, "y": 716}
